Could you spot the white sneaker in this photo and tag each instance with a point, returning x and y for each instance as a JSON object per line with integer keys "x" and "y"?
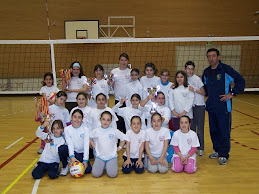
{"x": 201, "y": 153}
{"x": 64, "y": 171}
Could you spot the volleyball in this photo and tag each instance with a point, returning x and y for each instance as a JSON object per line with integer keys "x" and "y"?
{"x": 77, "y": 170}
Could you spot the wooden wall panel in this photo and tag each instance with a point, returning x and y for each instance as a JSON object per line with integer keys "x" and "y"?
{"x": 27, "y": 19}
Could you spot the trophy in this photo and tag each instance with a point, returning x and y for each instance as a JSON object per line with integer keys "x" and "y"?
{"x": 42, "y": 112}
{"x": 90, "y": 83}
{"x": 66, "y": 78}
{"x": 111, "y": 80}
{"x": 153, "y": 90}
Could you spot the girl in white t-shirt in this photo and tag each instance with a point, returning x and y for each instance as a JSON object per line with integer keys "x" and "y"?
{"x": 165, "y": 84}
{"x": 149, "y": 80}
{"x": 49, "y": 159}
{"x": 78, "y": 84}
{"x": 157, "y": 106}
{"x": 49, "y": 90}
{"x": 101, "y": 86}
{"x": 156, "y": 145}
{"x": 77, "y": 148}
{"x": 134, "y": 87}
{"x": 128, "y": 112}
{"x": 57, "y": 111}
{"x": 135, "y": 141}
{"x": 180, "y": 99}
{"x": 185, "y": 143}
{"x": 196, "y": 86}
{"x": 81, "y": 100}
{"x": 93, "y": 119}
{"x": 121, "y": 77}
{"x": 104, "y": 141}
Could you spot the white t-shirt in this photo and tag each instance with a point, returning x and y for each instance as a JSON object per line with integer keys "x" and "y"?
{"x": 165, "y": 89}
{"x": 50, "y": 152}
{"x": 76, "y": 83}
{"x": 148, "y": 83}
{"x": 48, "y": 91}
{"x": 127, "y": 113}
{"x": 134, "y": 87}
{"x": 162, "y": 110}
{"x": 181, "y": 99}
{"x": 59, "y": 113}
{"x": 94, "y": 118}
{"x": 86, "y": 111}
{"x": 156, "y": 140}
{"x": 121, "y": 78}
{"x": 196, "y": 83}
{"x": 78, "y": 140}
{"x": 106, "y": 142}
{"x": 135, "y": 142}
{"x": 101, "y": 86}
{"x": 185, "y": 141}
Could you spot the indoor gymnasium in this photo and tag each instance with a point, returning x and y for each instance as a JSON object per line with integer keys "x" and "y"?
{"x": 37, "y": 37}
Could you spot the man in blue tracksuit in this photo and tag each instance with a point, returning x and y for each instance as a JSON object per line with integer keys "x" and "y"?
{"x": 217, "y": 78}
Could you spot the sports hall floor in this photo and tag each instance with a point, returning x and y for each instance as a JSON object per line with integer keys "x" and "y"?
{"x": 240, "y": 175}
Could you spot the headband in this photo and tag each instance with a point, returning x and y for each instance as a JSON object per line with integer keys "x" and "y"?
{"x": 77, "y": 65}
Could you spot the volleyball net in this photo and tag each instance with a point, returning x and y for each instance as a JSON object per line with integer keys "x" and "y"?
{"x": 23, "y": 63}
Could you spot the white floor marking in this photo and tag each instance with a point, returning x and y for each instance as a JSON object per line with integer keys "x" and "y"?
{"x": 13, "y": 143}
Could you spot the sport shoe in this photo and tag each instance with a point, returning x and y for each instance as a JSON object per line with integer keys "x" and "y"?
{"x": 40, "y": 151}
{"x": 64, "y": 171}
{"x": 223, "y": 161}
{"x": 214, "y": 155}
{"x": 201, "y": 153}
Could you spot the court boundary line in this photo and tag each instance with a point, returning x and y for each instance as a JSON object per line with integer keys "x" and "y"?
{"x": 246, "y": 102}
{"x": 13, "y": 143}
{"x": 246, "y": 114}
{"x": 20, "y": 176}
{"x": 35, "y": 186}
{"x": 17, "y": 153}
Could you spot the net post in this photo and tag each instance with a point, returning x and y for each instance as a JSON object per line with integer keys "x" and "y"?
{"x": 53, "y": 64}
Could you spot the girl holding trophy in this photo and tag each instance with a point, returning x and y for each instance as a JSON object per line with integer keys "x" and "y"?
{"x": 77, "y": 83}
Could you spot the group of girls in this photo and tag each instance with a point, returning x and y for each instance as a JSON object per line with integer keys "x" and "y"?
{"x": 97, "y": 127}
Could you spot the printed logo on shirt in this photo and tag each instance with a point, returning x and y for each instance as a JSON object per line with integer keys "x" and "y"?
{"x": 161, "y": 138}
{"x": 218, "y": 76}
{"x": 64, "y": 113}
{"x": 82, "y": 135}
{"x": 78, "y": 82}
{"x": 127, "y": 76}
{"x": 140, "y": 140}
{"x": 189, "y": 141}
{"x": 162, "y": 113}
{"x": 102, "y": 86}
{"x": 52, "y": 117}
{"x": 111, "y": 136}
{"x": 193, "y": 84}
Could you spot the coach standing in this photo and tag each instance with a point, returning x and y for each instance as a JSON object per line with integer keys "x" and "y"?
{"x": 217, "y": 78}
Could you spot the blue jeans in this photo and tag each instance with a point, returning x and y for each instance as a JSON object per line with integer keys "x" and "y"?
{"x": 127, "y": 170}
{"x": 42, "y": 168}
